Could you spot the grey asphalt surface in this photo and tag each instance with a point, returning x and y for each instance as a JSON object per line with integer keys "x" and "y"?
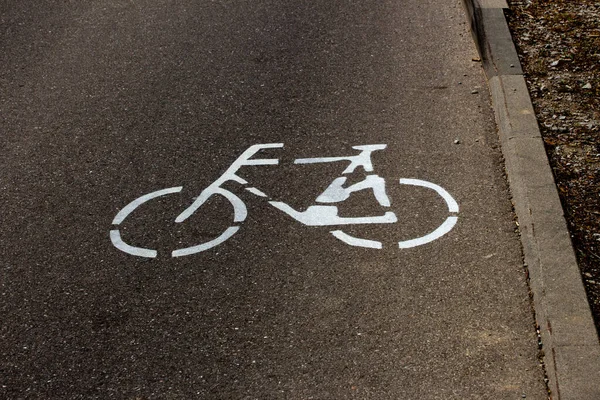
{"x": 103, "y": 102}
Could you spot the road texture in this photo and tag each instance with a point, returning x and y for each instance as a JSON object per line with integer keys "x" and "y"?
{"x": 103, "y": 102}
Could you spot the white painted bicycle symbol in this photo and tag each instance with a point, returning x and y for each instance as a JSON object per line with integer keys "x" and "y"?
{"x": 315, "y": 215}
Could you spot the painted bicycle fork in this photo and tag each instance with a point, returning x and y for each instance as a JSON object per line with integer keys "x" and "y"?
{"x": 316, "y": 215}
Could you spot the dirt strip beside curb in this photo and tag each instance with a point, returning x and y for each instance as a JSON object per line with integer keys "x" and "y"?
{"x": 571, "y": 350}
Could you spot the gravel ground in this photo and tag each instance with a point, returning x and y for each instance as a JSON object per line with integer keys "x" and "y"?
{"x": 559, "y": 45}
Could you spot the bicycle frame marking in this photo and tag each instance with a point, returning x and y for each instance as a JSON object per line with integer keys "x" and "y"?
{"x": 315, "y": 215}
{"x": 363, "y": 159}
{"x": 230, "y": 175}
{"x": 357, "y": 242}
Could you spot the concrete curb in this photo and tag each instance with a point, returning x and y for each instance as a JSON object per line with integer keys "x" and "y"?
{"x": 571, "y": 350}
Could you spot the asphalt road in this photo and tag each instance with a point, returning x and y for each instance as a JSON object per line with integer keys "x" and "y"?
{"x": 106, "y": 101}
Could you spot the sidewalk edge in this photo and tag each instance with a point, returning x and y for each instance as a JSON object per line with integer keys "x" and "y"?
{"x": 571, "y": 350}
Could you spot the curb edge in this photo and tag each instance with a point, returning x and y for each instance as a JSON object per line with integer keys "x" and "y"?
{"x": 571, "y": 349}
